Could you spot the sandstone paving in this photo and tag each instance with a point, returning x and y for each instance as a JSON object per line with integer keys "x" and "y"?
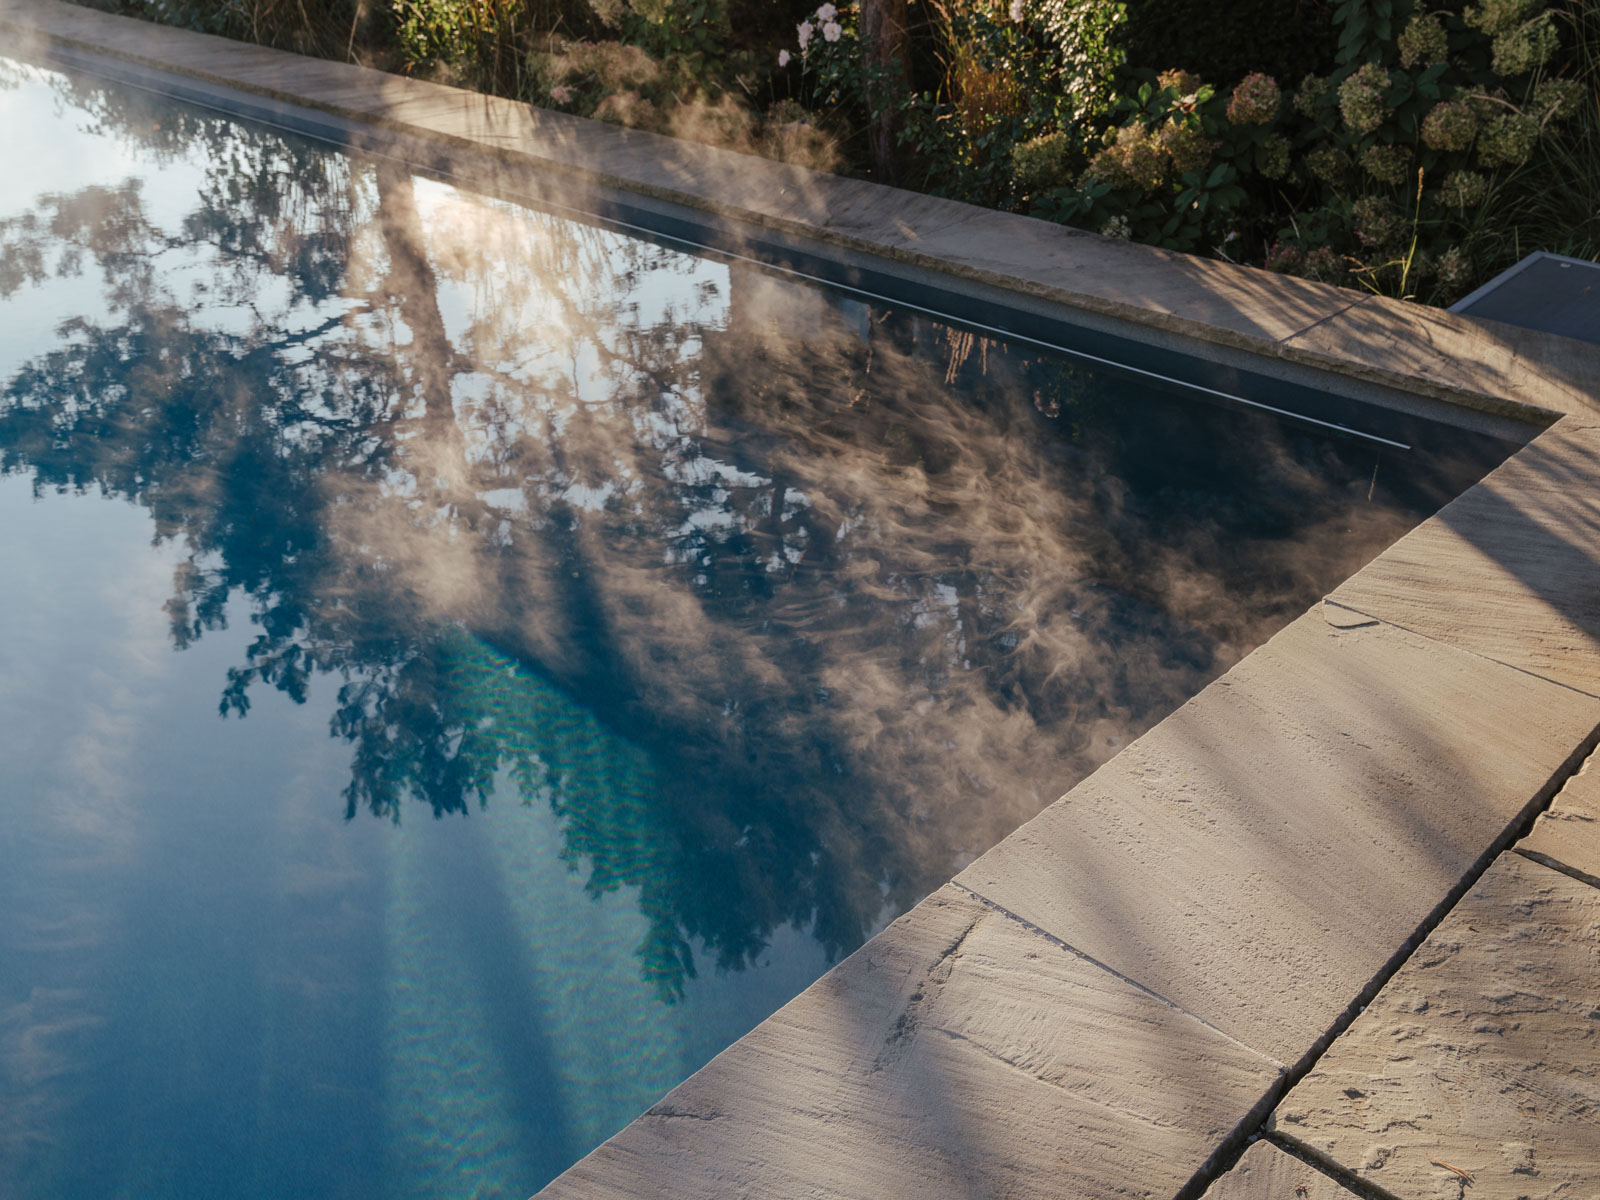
{"x": 1262, "y": 854}
{"x": 1510, "y": 569}
{"x": 1475, "y": 1073}
{"x": 957, "y": 1054}
{"x": 1436, "y": 349}
{"x": 1567, "y": 834}
{"x": 1265, "y": 1172}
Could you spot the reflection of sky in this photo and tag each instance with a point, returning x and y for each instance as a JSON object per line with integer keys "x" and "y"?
{"x": 207, "y": 974}
{"x": 209, "y": 982}
{"x": 751, "y": 613}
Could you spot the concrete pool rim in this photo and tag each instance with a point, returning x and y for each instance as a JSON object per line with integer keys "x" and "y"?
{"x": 1288, "y": 324}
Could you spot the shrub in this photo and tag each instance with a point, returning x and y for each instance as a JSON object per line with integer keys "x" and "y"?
{"x": 1380, "y": 164}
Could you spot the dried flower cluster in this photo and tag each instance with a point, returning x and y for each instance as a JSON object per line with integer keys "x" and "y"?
{"x": 1463, "y": 189}
{"x": 1450, "y": 125}
{"x": 1308, "y": 99}
{"x": 1255, "y": 101}
{"x": 1187, "y": 144}
{"x": 1387, "y": 164}
{"x": 1361, "y": 98}
{"x": 1423, "y": 41}
{"x": 1135, "y": 160}
{"x": 1376, "y": 222}
{"x": 1507, "y": 140}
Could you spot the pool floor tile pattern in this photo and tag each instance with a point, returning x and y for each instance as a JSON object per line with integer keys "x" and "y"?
{"x": 1476, "y": 1071}
{"x": 958, "y": 1053}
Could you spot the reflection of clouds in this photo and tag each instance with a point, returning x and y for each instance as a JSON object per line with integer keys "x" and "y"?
{"x": 73, "y": 838}
{"x": 872, "y": 589}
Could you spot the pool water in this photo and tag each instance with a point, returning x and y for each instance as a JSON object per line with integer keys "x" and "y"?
{"x": 463, "y": 666}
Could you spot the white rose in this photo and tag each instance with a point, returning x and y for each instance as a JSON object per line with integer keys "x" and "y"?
{"x": 805, "y": 29}
{"x": 783, "y": 58}
{"x": 831, "y": 31}
{"x": 827, "y": 12}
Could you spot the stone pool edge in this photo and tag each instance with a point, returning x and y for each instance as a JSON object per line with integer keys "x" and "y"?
{"x": 1003, "y": 1036}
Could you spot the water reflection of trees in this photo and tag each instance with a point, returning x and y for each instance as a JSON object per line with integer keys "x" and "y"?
{"x": 847, "y": 595}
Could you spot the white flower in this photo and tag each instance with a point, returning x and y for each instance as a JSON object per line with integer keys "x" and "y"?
{"x": 1016, "y": 10}
{"x": 831, "y": 31}
{"x": 827, "y": 12}
{"x": 805, "y": 29}
{"x": 783, "y": 58}
{"x": 561, "y": 94}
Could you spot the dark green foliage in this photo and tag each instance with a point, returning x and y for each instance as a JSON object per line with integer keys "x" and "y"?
{"x": 1223, "y": 43}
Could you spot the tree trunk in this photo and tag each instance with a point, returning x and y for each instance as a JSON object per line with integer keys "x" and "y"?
{"x": 888, "y": 48}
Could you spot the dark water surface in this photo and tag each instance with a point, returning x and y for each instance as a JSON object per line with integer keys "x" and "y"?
{"x": 461, "y": 667}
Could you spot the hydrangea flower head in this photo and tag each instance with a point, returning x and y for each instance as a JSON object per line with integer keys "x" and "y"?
{"x": 1309, "y": 96}
{"x": 1449, "y": 126}
{"x": 1463, "y": 189}
{"x": 1361, "y": 101}
{"x": 1507, "y": 140}
{"x": 1423, "y": 40}
{"x": 1185, "y": 83}
{"x": 1387, "y": 164}
{"x": 1255, "y": 101}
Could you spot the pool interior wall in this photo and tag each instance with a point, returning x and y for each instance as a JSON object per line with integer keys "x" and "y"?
{"x": 495, "y": 666}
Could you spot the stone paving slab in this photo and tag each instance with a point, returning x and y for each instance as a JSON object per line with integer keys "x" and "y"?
{"x": 1267, "y": 1173}
{"x": 1260, "y": 855}
{"x": 1567, "y": 834}
{"x": 956, "y": 1054}
{"x": 1439, "y": 351}
{"x": 1483, "y": 1053}
{"x": 1511, "y": 568}
{"x": 1487, "y": 365}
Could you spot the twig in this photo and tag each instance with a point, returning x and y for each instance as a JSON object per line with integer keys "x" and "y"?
{"x": 1465, "y": 1175}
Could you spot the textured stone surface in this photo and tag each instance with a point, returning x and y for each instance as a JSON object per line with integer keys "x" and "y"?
{"x": 1495, "y": 367}
{"x": 1483, "y": 1052}
{"x": 957, "y": 1054}
{"x": 1265, "y": 1172}
{"x": 1511, "y": 568}
{"x": 1567, "y": 834}
{"x": 1260, "y": 855}
{"x": 1430, "y": 346}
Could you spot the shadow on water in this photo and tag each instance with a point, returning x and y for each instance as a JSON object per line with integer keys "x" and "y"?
{"x": 857, "y": 592}
{"x": 787, "y": 606}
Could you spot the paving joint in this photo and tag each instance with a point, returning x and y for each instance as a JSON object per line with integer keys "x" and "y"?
{"x": 1061, "y": 944}
{"x": 1341, "y": 1175}
{"x": 1515, "y": 833}
{"x": 1287, "y": 338}
{"x": 1369, "y": 619}
{"x": 1555, "y": 864}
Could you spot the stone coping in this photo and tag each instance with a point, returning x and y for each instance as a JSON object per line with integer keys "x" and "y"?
{"x": 1111, "y": 999}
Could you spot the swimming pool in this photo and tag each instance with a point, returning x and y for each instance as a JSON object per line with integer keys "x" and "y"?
{"x": 465, "y": 665}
